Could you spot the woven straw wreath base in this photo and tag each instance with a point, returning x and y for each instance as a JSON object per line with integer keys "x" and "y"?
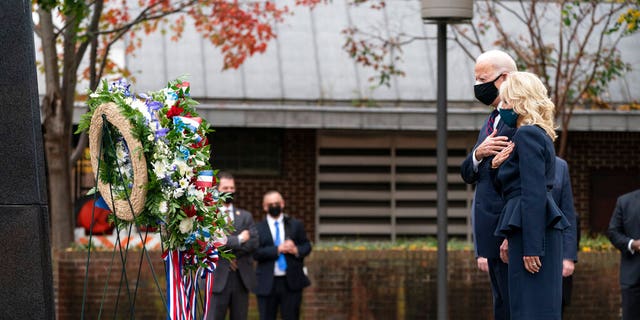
{"x": 123, "y": 209}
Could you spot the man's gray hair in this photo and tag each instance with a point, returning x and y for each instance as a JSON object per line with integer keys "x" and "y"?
{"x": 502, "y": 62}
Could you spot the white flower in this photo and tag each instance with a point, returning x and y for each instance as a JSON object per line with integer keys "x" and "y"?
{"x": 150, "y": 137}
{"x": 160, "y": 169}
{"x": 183, "y": 167}
{"x": 142, "y": 107}
{"x": 189, "y": 174}
{"x": 184, "y": 183}
{"x": 121, "y": 154}
{"x": 195, "y": 192}
{"x": 186, "y": 225}
{"x": 163, "y": 207}
{"x": 177, "y": 193}
{"x": 161, "y": 148}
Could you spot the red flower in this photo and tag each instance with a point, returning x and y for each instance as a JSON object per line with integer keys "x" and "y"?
{"x": 184, "y": 84}
{"x": 202, "y": 244}
{"x": 174, "y": 111}
{"x": 208, "y": 199}
{"x": 190, "y": 211}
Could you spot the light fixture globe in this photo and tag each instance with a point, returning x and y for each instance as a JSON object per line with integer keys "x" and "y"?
{"x": 447, "y": 10}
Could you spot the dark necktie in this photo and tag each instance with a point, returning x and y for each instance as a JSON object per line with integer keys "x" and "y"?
{"x": 282, "y": 263}
{"x": 491, "y": 121}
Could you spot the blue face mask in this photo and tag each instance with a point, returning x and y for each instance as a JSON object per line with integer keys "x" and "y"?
{"x": 509, "y": 117}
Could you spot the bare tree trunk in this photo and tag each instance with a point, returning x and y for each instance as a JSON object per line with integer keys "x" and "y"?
{"x": 57, "y": 108}
{"x": 56, "y": 144}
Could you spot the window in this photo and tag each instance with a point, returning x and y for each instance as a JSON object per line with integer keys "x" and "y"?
{"x": 247, "y": 151}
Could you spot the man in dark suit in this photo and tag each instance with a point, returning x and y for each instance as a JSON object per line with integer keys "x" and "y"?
{"x": 233, "y": 279}
{"x": 563, "y": 195}
{"x": 491, "y": 70}
{"x": 624, "y": 233}
{"x": 283, "y": 245}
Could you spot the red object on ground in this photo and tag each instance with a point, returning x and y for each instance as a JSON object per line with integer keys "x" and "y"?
{"x": 100, "y": 217}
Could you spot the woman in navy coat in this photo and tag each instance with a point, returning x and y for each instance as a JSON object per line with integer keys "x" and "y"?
{"x": 531, "y": 221}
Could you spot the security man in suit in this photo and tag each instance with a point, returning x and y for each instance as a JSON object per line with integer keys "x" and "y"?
{"x": 624, "y": 233}
{"x": 283, "y": 245}
{"x": 234, "y": 279}
{"x": 491, "y": 70}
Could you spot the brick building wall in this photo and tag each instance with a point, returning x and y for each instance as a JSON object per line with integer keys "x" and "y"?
{"x": 392, "y": 284}
{"x": 297, "y": 182}
{"x": 589, "y": 153}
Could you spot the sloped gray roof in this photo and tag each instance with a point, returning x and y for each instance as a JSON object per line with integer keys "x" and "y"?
{"x": 307, "y": 62}
{"x": 306, "y": 67}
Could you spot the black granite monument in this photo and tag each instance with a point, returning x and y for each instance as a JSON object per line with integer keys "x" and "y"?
{"x": 26, "y": 290}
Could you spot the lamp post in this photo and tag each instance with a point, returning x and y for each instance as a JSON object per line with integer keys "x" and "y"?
{"x": 443, "y": 12}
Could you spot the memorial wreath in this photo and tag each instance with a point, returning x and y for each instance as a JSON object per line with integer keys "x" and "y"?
{"x": 151, "y": 155}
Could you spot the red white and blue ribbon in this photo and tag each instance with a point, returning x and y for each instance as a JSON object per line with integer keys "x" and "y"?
{"x": 208, "y": 276}
{"x": 205, "y": 179}
{"x": 191, "y": 287}
{"x": 174, "y": 284}
{"x": 182, "y": 290}
{"x": 187, "y": 123}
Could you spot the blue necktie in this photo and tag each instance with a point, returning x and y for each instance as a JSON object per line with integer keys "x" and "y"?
{"x": 282, "y": 263}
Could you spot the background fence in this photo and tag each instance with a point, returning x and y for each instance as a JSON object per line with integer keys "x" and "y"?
{"x": 346, "y": 284}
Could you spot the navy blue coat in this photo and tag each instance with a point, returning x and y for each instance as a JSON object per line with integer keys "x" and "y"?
{"x": 624, "y": 226}
{"x": 533, "y": 223}
{"x": 563, "y": 195}
{"x": 267, "y": 254}
{"x": 487, "y": 203}
{"x": 528, "y": 175}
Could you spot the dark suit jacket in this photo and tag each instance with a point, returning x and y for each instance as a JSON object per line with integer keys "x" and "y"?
{"x": 243, "y": 253}
{"x": 624, "y": 226}
{"x": 563, "y": 196}
{"x": 267, "y": 254}
{"x": 487, "y": 203}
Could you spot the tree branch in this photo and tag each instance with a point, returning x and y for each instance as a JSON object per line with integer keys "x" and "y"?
{"x": 91, "y": 35}
{"x": 50, "y": 54}
{"x": 144, "y": 17}
{"x": 456, "y": 32}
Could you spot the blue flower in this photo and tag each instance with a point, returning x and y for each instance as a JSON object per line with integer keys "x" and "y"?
{"x": 161, "y": 132}
{"x": 154, "y": 105}
{"x": 191, "y": 238}
{"x": 184, "y": 151}
{"x": 121, "y": 85}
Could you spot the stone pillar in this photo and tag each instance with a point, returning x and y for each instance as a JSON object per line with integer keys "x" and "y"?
{"x": 26, "y": 289}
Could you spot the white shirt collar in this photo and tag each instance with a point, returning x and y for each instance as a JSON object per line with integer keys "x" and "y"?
{"x": 271, "y": 220}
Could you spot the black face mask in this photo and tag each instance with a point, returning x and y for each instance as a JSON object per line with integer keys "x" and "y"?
{"x": 275, "y": 211}
{"x": 487, "y": 92}
{"x": 229, "y": 197}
